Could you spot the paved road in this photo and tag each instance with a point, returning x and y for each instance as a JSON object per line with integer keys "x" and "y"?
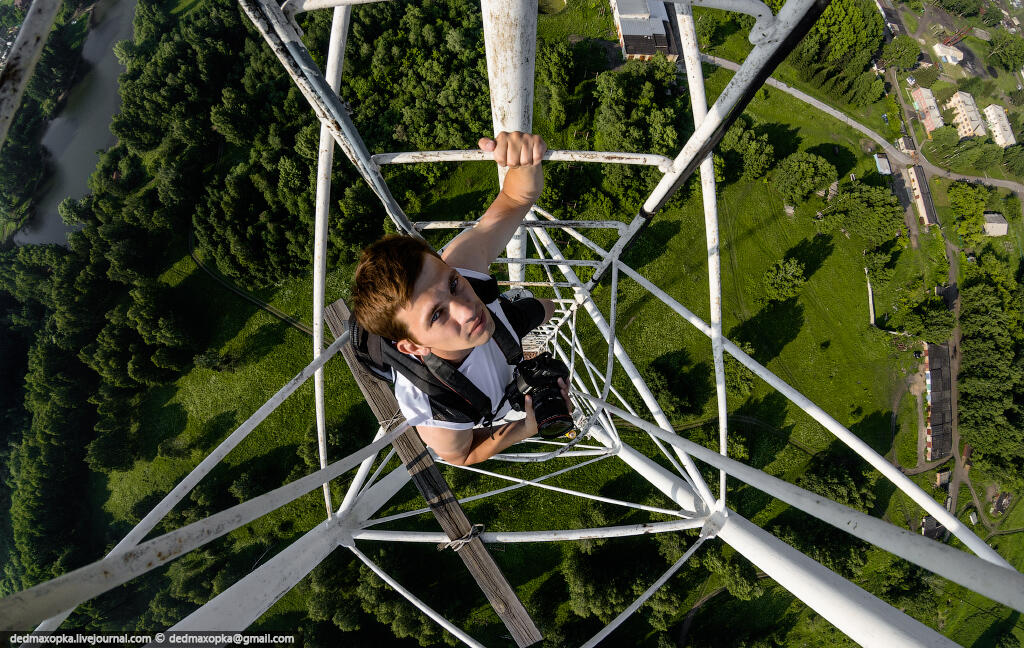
{"x": 890, "y": 150}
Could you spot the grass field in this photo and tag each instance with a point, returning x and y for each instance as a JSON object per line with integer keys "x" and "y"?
{"x": 906, "y": 433}
{"x": 735, "y": 46}
{"x": 910, "y": 21}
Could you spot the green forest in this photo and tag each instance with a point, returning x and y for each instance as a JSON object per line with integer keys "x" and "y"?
{"x": 116, "y": 341}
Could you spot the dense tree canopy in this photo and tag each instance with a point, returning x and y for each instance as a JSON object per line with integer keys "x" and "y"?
{"x": 968, "y": 200}
{"x": 836, "y": 53}
{"x": 928, "y": 318}
{"x": 800, "y": 174}
{"x": 992, "y": 373}
{"x": 747, "y": 150}
{"x": 902, "y": 52}
{"x": 1007, "y": 50}
{"x": 782, "y": 280}
{"x": 872, "y": 213}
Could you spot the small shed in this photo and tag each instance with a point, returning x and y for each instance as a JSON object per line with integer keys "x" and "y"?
{"x": 973, "y": 517}
{"x": 930, "y": 528}
{"x": 941, "y": 478}
{"x": 995, "y": 224}
{"x": 882, "y": 164}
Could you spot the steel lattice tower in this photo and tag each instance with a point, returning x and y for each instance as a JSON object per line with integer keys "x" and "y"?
{"x": 510, "y": 38}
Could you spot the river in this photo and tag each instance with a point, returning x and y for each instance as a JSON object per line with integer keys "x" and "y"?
{"x": 83, "y": 126}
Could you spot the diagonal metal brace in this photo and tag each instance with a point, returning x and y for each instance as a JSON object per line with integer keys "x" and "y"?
{"x": 284, "y": 40}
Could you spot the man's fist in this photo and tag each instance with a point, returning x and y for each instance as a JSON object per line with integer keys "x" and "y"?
{"x": 515, "y": 149}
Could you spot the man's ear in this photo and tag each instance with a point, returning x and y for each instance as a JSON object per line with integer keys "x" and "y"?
{"x": 406, "y": 345}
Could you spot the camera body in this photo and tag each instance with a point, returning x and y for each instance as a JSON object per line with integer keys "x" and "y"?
{"x": 538, "y": 378}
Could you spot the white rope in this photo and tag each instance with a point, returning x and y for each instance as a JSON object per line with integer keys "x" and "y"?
{"x": 457, "y": 544}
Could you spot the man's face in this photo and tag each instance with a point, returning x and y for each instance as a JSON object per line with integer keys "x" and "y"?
{"x": 444, "y": 316}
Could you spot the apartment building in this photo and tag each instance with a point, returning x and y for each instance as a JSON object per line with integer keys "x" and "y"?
{"x": 967, "y": 117}
{"x": 927, "y": 107}
{"x": 999, "y": 125}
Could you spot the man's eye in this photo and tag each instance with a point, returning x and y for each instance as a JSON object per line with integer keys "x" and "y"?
{"x": 435, "y": 316}
{"x": 453, "y": 285}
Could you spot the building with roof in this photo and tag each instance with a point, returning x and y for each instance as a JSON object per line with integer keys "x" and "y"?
{"x": 922, "y": 196}
{"x": 927, "y": 107}
{"x": 995, "y": 224}
{"x": 948, "y": 54}
{"x": 999, "y": 125}
{"x": 646, "y": 27}
{"x": 882, "y": 164}
{"x": 942, "y": 478}
{"x": 906, "y": 145}
{"x": 939, "y": 421}
{"x": 930, "y": 528}
{"x": 967, "y": 117}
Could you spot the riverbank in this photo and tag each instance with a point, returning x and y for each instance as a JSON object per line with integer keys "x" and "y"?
{"x": 60, "y": 71}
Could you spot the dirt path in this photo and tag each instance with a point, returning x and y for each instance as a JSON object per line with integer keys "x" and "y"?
{"x": 288, "y": 319}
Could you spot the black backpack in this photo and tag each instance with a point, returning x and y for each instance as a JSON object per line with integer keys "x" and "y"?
{"x": 453, "y": 397}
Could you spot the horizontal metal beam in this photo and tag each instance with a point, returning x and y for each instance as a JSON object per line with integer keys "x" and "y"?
{"x": 291, "y": 8}
{"x": 561, "y": 535}
{"x": 530, "y": 224}
{"x": 601, "y": 157}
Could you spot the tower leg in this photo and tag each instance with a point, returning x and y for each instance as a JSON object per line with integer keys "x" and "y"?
{"x": 510, "y": 38}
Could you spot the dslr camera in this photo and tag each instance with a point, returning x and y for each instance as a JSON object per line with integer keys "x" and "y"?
{"x": 538, "y": 378}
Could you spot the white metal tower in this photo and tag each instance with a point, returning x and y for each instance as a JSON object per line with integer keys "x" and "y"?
{"x": 510, "y": 35}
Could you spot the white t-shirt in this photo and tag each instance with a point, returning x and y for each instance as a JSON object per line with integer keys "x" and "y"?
{"x": 485, "y": 367}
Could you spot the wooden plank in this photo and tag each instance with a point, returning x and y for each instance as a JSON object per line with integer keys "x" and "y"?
{"x": 435, "y": 491}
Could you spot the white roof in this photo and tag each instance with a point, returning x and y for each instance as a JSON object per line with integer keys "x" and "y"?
{"x": 635, "y": 27}
{"x": 633, "y": 8}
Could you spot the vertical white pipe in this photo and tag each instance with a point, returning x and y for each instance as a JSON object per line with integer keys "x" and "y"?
{"x": 695, "y": 79}
{"x": 325, "y": 160}
{"x": 22, "y": 59}
{"x": 510, "y": 40}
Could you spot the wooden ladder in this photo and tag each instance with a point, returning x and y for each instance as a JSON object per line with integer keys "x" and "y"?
{"x": 435, "y": 490}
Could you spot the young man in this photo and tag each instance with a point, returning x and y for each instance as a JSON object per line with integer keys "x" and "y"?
{"x": 405, "y": 292}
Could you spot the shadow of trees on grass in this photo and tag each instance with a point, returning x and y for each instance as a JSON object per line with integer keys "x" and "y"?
{"x": 771, "y": 329}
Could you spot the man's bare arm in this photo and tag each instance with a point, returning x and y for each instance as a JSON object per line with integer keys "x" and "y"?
{"x": 465, "y": 447}
{"x": 477, "y": 247}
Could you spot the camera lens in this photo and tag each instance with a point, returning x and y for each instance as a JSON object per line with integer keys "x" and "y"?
{"x": 553, "y": 419}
